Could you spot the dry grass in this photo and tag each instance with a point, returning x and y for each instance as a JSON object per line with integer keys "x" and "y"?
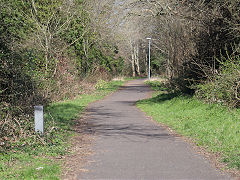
{"x": 120, "y": 78}
{"x": 159, "y": 79}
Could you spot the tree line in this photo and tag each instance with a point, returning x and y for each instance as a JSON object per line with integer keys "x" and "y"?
{"x": 195, "y": 43}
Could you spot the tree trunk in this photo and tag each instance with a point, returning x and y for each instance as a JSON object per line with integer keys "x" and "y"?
{"x": 133, "y": 59}
{"x": 133, "y": 65}
{"x": 137, "y": 59}
{"x": 146, "y": 62}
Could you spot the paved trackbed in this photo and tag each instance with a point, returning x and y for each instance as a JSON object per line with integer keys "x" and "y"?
{"x": 129, "y": 145}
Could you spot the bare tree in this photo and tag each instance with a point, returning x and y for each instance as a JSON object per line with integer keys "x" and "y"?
{"x": 47, "y": 28}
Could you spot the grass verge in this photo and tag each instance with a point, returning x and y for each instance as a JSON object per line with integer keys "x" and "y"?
{"x": 212, "y": 126}
{"x": 31, "y": 160}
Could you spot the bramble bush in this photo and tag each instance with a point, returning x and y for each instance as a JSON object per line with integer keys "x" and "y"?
{"x": 224, "y": 87}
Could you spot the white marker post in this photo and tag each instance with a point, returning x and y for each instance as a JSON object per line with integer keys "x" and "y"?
{"x": 38, "y": 119}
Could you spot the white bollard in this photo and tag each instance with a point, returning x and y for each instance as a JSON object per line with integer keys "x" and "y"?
{"x": 38, "y": 119}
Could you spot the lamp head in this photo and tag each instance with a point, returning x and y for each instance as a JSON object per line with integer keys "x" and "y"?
{"x": 149, "y": 38}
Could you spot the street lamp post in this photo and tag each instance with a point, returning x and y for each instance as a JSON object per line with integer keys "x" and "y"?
{"x": 149, "y": 56}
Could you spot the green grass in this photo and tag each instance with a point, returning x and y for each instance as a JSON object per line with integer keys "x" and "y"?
{"x": 38, "y": 161}
{"x": 212, "y": 126}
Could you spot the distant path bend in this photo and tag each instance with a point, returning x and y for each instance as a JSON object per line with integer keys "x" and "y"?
{"x": 130, "y": 146}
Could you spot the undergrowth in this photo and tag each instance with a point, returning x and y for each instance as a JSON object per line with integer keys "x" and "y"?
{"x": 224, "y": 86}
{"x": 212, "y": 126}
{"x": 35, "y": 157}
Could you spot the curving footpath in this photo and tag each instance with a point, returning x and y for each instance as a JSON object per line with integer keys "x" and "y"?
{"x": 129, "y": 145}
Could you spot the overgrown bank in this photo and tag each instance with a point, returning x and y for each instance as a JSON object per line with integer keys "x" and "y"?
{"x": 35, "y": 157}
{"x": 49, "y": 51}
{"x": 211, "y": 126}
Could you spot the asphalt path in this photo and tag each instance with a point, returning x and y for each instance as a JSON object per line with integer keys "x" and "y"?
{"x": 129, "y": 145}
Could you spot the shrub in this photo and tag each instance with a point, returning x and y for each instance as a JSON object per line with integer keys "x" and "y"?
{"x": 101, "y": 84}
{"x": 223, "y": 88}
